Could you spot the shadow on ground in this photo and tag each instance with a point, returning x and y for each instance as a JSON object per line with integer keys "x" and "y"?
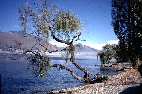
{"x": 133, "y": 90}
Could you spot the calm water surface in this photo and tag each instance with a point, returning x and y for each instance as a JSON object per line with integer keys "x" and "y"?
{"x": 16, "y": 79}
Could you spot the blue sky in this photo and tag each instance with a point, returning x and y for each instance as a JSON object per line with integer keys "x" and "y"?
{"x": 95, "y": 14}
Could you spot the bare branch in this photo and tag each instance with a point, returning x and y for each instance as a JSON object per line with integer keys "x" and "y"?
{"x": 70, "y": 70}
{"x": 62, "y": 41}
{"x": 58, "y": 50}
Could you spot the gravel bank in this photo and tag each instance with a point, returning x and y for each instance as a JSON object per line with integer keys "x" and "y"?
{"x": 122, "y": 83}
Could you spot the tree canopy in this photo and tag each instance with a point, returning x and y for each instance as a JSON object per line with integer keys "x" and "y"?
{"x": 127, "y": 23}
{"x": 49, "y": 22}
{"x": 109, "y": 52}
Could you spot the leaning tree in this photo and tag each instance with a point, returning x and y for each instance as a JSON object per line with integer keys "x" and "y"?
{"x": 47, "y": 22}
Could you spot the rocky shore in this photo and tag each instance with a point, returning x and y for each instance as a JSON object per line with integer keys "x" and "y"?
{"x": 127, "y": 82}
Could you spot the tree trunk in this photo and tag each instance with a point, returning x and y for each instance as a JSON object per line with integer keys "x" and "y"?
{"x": 72, "y": 59}
{"x": 86, "y": 77}
{"x": 70, "y": 70}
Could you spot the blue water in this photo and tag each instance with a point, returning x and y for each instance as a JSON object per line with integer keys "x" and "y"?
{"x": 16, "y": 79}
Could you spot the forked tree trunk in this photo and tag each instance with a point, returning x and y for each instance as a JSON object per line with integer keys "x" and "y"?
{"x": 72, "y": 59}
{"x": 86, "y": 77}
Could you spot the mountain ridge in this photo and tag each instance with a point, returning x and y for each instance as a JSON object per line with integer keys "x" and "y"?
{"x": 9, "y": 40}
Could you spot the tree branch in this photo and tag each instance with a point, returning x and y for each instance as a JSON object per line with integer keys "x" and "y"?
{"x": 58, "y": 50}
{"x": 61, "y": 41}
{"x": 70, "y": 70}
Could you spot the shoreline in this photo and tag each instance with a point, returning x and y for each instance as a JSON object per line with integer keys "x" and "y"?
{"x": 114, "y": 85}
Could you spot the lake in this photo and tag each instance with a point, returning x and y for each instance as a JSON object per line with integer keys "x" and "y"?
{"x": 17, "y": 79}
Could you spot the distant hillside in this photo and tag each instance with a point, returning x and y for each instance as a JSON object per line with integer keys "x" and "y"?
{"x": 84, "y": 48}
{"x": 9, "y": 39}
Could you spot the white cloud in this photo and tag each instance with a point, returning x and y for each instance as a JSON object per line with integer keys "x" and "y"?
{"x": 95, "y": 46}
{"x": 58, "y": 44}
{"x": 99, "y": 46}
{"x": 92, "y": 45}
{"x": 112, "y": 42}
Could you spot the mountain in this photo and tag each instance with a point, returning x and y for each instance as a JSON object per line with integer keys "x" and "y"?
{"x": 84, "y": 48}
{"x": 12, "y": 40}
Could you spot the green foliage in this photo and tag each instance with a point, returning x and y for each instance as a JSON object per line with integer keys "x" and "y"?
{"x": 108, "y": 52}
{"x": 127, "y": 23}
{"x": 46, "y": 22}
{"x": 66, "y": 25}
{"x": 103, "y": 57}
{"x": 38, "y": 20}
{"x": 39, "y": 64}
{"x": 66, "y": 22}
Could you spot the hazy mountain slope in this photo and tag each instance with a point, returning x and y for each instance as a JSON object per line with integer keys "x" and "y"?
{"x": 84, "y": 48}
{"x": 9, "y": 39}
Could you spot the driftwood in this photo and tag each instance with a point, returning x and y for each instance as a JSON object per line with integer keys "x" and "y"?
{"x": 116, "y": 67}
{"x": 98, "y": 78}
